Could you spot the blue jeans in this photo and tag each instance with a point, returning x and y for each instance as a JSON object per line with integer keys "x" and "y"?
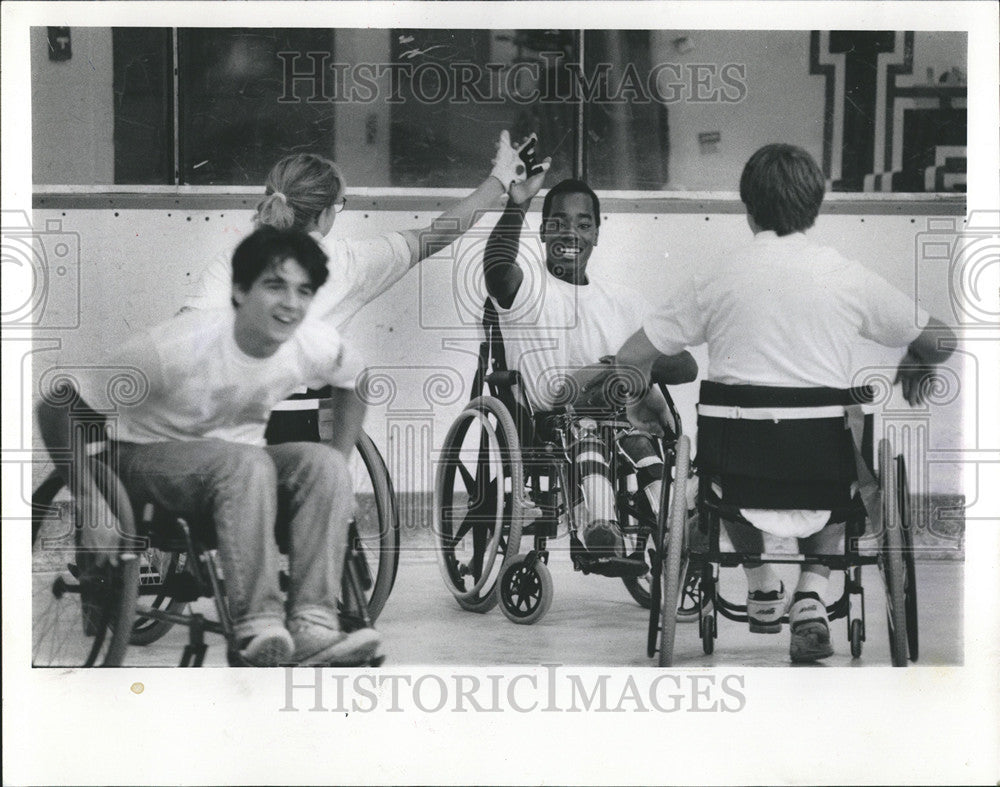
{"x": 241, "y": 490}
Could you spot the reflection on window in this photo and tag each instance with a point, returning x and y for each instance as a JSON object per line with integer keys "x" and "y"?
{"x": 233, "y": 125}
{"x": 628, "y": 136}
{"x": 458, "y": 89}
{"x": 663, "y": 110}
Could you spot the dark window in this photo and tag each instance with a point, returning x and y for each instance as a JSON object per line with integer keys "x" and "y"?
{"x": 143, "y": 95}
{"x": 460, "y": 88}
{"x": 233, "y": 125}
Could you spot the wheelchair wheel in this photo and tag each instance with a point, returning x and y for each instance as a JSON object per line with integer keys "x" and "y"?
{"x": 891, "y": 556}
{"x": 478, "y": 502}
{"x": 656, "y": 591}
{"x": 525, "y": 589}
{"x": 152, "y": 563}
{"x": 857, "y": 635}
{"x": 81, "y": 613}
{"x": 155, "y": 566}
{"x": 688, "y": 606}
{"x": 673, "y": 552}
{"x": 376, "y": 522}
{"x": 639, "y": 588}
{"x": 909, "y": 559}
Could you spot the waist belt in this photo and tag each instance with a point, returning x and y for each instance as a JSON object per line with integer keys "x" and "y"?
{"x": 293, "y": 405}
{"x": 771, "y": 413}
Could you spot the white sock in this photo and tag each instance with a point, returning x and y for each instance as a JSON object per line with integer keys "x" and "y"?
{"x": 762, "y": 578}
{"x": 811, "y": 582}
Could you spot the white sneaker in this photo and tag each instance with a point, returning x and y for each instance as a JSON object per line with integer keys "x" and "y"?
{"x": 765, "y": 610}
{"x": 268, "y": 648}
{"x": 810, "y": 629}
{"x": 316, "y": 644}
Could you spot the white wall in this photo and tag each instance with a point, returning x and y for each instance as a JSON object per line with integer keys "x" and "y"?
{"x": 136, "y": 266}
{"x": 71, "y": 109}
{"x": 792, "y": 113}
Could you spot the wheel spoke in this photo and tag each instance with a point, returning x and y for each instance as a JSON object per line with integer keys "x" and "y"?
{"x": 467, "y": 478}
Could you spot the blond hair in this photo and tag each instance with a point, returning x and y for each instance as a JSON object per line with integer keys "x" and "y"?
{"x": 297, "y": 190}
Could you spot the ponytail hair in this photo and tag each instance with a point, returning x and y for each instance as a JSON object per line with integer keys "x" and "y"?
{"x": 297, "y": 190}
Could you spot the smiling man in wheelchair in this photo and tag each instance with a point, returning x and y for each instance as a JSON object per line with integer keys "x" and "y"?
{"x": 557, "y": 322}
{"x": 780, "y": 317}
{"x": 194, "y": 446}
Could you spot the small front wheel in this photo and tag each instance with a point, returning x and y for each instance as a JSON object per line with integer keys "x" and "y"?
{"x": 525, "y": 589}
{"x": 857, "y": 633}
{"x": 707, "y": 628}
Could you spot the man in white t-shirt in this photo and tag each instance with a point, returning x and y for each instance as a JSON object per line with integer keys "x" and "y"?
{"x": 783, "y": 311}
{"x": 556, "y": 320}
{"x": 194, "y": 445}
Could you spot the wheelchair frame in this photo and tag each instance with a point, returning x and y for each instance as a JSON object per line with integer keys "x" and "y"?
{"x": 511, "y": 462}
{"x": 180, "y": 569}
{"x": 893, "y": 556}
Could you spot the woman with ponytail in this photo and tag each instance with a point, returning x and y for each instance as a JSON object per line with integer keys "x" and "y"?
{"x": 306, "y": 191}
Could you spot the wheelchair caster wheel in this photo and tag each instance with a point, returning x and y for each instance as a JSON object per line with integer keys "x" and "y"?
{"x": 857, "y": 632}
{"x": 525, "y": 589}
{"x": 687, "y": 609}
{"x": 707, "y": 629}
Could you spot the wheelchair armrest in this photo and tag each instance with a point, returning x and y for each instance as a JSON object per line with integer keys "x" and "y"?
{"x": 507, "y": 378}
{"x": 674, "y": 369}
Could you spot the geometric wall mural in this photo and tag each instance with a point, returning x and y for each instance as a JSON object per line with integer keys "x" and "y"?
{"x": 886, "y": 128}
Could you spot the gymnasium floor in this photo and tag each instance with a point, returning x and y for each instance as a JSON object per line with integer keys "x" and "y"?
{"x": 593, "y": 621}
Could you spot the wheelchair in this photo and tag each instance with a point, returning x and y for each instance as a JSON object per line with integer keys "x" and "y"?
{"x": 501, "y": 464}
{"x": 789, "y": 448}
{"x": 84, "y": 615}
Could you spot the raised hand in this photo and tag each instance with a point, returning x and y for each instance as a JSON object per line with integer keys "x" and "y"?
{"x": 524, "y": 192}
{"x": 515, "y": 165}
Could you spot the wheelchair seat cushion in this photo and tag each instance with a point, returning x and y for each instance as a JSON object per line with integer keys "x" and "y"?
{"x": 297, "y": 419}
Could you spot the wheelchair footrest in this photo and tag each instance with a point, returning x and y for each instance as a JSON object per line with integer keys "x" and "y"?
{"x": 179, "y": 587}
{"x": 631, "y": 566}
{"x": 547, "y": 527}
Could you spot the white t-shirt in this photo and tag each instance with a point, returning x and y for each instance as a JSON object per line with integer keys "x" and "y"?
{"x": 553, "y": 328}
{"x": 784, "y": 312}
{"x": 198, "y": 384}
{"x": 360, "y": 271}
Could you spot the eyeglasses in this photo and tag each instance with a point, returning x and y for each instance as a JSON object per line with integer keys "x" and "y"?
{"x": 340, "y": 205}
